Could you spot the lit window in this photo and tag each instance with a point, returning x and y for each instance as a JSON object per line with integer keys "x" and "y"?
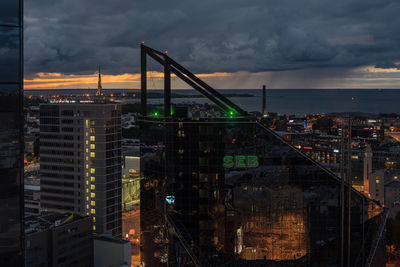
{"x": 87, "y": 134}
{"x": 87, "y": 174}
{"x": 87, "y": 182}
{"x": 91, "y": 123}
{"x": 87, "y": 150}
{"x": 87, "y": 142}
{"x": 87, "y": 190}
{"x": 92, "y": 138}
{"x": 87, "y": 158}
{"x": 94, "y": 219}
{"x": 87, "y": 198}
{"x": 377, "y": 181}
{"x": 92, "y": 170}
{"x": 93, "y": 187}
{"x": 93, "y": 203}
{"x": 94, "y": 227}
{"x": 92, "y": 154}
{"x": 87, "y": 123}
{"x": 93, "y": 211}
{"x": 92, "y": 195}
{"x": 87, "y": 206}
{"x": 87, "y": 166}
{"x": 92, "y": 130}
{"x": 92, "y": 146}
{"x": 92, "y": 179}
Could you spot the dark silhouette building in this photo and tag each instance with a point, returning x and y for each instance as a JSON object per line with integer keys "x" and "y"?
{"x": 11, "y": 134}
{"x": 229, "y": 192}
{"x": 55, "y": 239}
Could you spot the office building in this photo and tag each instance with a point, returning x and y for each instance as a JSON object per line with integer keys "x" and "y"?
{"x": 32, "y": 198}
{"x": 11, "y": 133}
{"x": 230, "y": 192}
{"x": 55, "y": 239}
{"x": 80, "y": 159}
{"x": 111, "y": 251}
{"x": 392, "y": 193}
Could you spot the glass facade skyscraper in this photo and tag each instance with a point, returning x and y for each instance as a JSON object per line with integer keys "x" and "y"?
{"x": 228, "y": 192}
{"x": 11, "y": 134}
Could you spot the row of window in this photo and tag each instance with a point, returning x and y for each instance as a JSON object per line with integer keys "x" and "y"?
{"x": 57, "y": 168}
{"x": 59, "y": 160}
{"x": 57, "y": 175}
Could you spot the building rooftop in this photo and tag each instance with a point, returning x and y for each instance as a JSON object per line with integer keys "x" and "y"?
{"x": 49, "y": 220}
{"x": 110, "y": 238}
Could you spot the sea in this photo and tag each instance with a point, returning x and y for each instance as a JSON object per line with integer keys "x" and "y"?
{"x": 281, "y": 101}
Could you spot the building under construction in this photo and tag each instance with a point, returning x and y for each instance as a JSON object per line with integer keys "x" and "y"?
{"x": 230, "y": 192}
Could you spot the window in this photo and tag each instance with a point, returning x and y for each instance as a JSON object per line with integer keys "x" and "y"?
{"x": 93, "y": 211}
{"x": 92, "y": 154}
{"x": 92, "y": 179}
{"x": 87, "y": 166}
{"x": 87, "y": 150}
{"x": 92, "y": 187}
{"x": 87, "y": 142}
{"x": 92, "y": 123}
{"x": 87, "y": 123}
{"x": 92, "y": 146}
{"x": 92, "y": 195}
{"x": 93, "y": 203}
{"x": 94, "y": 219}
{"x": 92, "y": 170}
{"x": 92, "y": 138}
{"x": 92, "y": 131}
{"x": 94, "y": 227}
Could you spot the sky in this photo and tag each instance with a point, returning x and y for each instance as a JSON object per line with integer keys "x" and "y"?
{"x": 229, "y": 43}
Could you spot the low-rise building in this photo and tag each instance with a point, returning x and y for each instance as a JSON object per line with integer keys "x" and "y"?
{"x": 55, "y": 239}
{"x": 111, "y": 251}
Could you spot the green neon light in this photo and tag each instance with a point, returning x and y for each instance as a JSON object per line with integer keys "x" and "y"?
{"x": 240, "y": 161}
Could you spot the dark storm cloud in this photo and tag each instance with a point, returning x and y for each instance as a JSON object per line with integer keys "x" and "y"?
{"x": 74, "y": 36}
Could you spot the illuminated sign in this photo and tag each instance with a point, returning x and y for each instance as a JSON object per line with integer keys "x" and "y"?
{"x": 170, "y": 199}
{"x": 240, "y": 161}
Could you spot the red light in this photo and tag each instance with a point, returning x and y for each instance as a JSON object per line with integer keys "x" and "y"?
{"x": 165, "y": 52}
{"x": 142, "y": 42}
{"x": 307, "y": 147}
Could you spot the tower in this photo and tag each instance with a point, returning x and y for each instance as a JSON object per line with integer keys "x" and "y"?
{"x": 80, "y": 163}
{"x": 99, "y": 87}
{"x": 264, "y": 102}
{"x": 367, "y": 168}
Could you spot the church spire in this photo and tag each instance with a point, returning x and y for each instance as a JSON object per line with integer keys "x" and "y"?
{"x": 99, "y": 87}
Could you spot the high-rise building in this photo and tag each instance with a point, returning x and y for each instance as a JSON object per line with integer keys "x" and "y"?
{"x": 11, "y": 133}
{"x": 80, "y": 161}
{"x": 230, "y": 192}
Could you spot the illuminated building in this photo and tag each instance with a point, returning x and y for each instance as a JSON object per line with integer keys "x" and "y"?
{"x": 197, "y": 210}
{"x": 11, "y": 133}
{"x": 80, "y": 162}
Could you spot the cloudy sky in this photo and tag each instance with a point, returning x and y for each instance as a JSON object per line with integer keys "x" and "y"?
{"x": 230, "y": 43}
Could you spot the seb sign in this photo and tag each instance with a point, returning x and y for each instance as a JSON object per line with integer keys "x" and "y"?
{"x": 240, "y": 161}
